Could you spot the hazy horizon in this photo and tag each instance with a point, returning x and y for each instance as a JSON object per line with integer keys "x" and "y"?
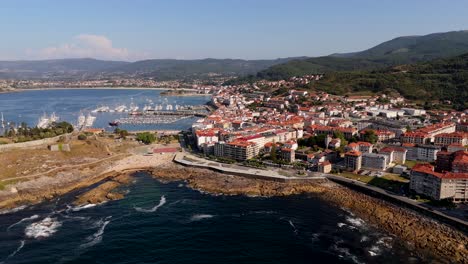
{"x": 182, "y": 29}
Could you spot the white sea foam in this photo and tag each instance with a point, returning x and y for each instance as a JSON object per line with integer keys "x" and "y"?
{"x": 96, "y": 237}
{"x": 14, "y": 252}
{"x": 344, "y": 252}
{"x": 14, "y": 210}
{"x": 162, "y": 201}
{"x": 82, "y": 207}
{"x": 340, "y": 225}
{"x": 199, "y": 217}
{"x": 23, "y": 220}
{"x": 364, "y": 238}
{"x": 356, "y": 221}
{"x": 293, "y": 226}
{"x": 43, "y": 229}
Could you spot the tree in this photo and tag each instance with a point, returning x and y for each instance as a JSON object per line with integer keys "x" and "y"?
{"x": 340, "y": 135}
{"x": 273, "y": 153}
{"x": 370, "y": 136}
{"x": 146, "y": 138}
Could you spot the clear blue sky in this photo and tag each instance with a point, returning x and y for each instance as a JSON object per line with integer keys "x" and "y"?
{"x": 190, "y": 29}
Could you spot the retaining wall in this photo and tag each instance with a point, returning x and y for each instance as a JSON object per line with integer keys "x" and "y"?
{"x": 34, "y": 143}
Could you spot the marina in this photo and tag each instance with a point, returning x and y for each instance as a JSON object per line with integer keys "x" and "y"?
{"x": 102, "y": 108}
{"x": 155, "y": 119}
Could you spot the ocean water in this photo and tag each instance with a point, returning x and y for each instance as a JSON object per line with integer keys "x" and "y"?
{"x": 29, "y": 106}
{"x": 170, "y": 223}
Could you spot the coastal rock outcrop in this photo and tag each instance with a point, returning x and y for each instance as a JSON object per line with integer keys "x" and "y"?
{"x": 430, "y": 239}
{"x": 105, "y": 191}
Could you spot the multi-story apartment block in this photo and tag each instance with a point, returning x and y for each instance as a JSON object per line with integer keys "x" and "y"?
{"x": 395, "y": 154}
{"x": 421, "y": 152}
{"x": 353, "y": 160}
{"x": 446, "y": 139}
{"x": 449, "y": 185}
{"x": 374, "y": 161}
{"x": 237, "y": 150}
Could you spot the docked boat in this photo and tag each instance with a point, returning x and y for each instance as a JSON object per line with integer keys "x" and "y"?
{"x": 90, "y": 120}
{"x": 81, "y": 120}
{"x": 45, "y": 121}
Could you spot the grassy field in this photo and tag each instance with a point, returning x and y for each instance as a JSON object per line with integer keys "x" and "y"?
{"x": 391, "y": 182}
{"x": 23, "y": 162}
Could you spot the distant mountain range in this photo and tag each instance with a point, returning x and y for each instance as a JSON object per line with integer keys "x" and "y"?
{"x": 402, "y": 50}
{"x": 162, "y": 69}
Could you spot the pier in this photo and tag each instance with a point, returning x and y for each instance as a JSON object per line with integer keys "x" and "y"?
{"x": 172, "y": 113}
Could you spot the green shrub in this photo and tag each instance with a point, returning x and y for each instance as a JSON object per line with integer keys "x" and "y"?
{"x": 82, "y": 137}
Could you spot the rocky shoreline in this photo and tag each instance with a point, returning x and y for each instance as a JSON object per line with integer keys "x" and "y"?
{"x": 432, "y": 240}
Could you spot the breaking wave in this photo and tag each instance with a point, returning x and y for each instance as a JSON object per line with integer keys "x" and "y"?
{"x": 23, "y": 220}
{"x": 14, "y": 210}
{"x": 43, "y": 229}
{"x": 199, "y": 217}
{"x": 97, "y": 237}
{"x": 162, "y": 201}
{"x": 81, "y": 207}
{"x": 15, "y": 252}
{"x": 355, "y": 221}
{"x": 293, "y": 226}
{"x": 344, "y": 252}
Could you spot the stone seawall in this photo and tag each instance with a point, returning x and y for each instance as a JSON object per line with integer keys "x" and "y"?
{"x": 32, "y": 144}
{"x": 457, "y": 223}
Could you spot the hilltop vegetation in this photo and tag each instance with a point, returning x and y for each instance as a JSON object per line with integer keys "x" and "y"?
{"x": 402, "y": 50}
{"x": 442, "y": 79}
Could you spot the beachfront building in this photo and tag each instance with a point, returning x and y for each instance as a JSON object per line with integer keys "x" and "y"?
{"x": 374, "y": 161}
{"x": 324, "y": 167}
{"x": 288, "y": 155}
{"x": 353, "y": 160}
{"x": 236, "y": 150}
{"x": 436, "y": 185}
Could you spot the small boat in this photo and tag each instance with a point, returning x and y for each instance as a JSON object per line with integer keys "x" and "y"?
{"x": 114, "y": 124}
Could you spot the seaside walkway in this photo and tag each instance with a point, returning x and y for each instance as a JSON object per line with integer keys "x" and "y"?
{"x": 193, "y": 161}
{"x": 190, "y": 160}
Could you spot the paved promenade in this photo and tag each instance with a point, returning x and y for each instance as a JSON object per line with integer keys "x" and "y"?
{"x": 190, "y": 160}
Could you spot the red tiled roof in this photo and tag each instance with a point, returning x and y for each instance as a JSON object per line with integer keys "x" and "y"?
{"x": 429, "y": 169}
{"x": 354, "y": 153}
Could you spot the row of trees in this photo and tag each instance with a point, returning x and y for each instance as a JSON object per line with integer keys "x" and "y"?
{"x": 25, "y": 133}
{"x": 317, "y": 142}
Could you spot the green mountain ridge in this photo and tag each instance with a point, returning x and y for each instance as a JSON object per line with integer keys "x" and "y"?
{"x": 401, "y": 50}
{"x": 437, "y": 80}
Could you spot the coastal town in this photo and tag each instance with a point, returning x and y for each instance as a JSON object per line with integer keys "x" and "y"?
{"x": 234, "y": 132}
{"x": 352, "y": 136}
